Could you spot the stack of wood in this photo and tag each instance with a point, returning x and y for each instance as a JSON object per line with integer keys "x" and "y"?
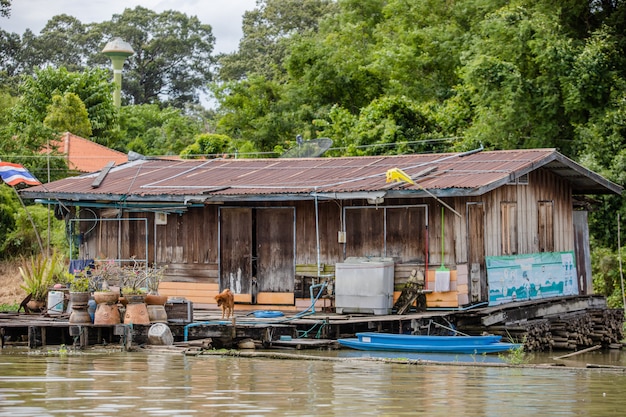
{"x": 608, "y": 327}
{"x": 535, "y": 334}
{"x": 589, "y": 328}
{"x": 571, "y": 331}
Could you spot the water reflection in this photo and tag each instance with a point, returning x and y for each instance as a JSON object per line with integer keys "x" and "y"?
{"x": 158, "y": 384}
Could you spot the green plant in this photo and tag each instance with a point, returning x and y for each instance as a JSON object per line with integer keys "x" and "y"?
{"x": 516, "y": 356}
{"x": 133, "y": 290}
{"x": 139, "y": 278}
{"x": 40, "y": 272}
{"x": 79, "y": 283}
{"x": 8, "y": 307}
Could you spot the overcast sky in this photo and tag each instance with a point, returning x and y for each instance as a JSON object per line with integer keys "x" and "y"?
{"x": 224, "y": 16}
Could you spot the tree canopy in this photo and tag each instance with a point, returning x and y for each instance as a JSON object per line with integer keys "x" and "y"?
{"x": 172, "y": 63}
{"x": 375, "y": 76}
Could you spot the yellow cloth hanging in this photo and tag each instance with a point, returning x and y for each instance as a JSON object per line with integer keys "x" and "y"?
{"x": 397, "y": 175}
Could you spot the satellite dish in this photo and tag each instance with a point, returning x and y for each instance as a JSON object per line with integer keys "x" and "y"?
{"x": 308, "y": 148}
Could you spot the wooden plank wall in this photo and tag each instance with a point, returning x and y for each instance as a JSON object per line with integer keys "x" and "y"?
{"x": 542, "y": 186}
{"x": 188, "y": 243}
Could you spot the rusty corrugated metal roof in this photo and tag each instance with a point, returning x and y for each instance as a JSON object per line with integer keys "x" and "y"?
{"x": 452, "y": 174}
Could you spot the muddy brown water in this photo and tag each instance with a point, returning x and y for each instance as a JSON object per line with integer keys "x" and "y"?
{"x": 171, "y": 384}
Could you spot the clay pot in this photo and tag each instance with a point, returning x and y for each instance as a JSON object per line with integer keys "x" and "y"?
{"x": 36, "y": 306}
{"x": 107, "y": 314}
{"x": 135, "y": 298}
{"x": 155, "y": 299}
{"x": 79, "y": 299}
{"x": 106, "y": 297}
{"x": 136, "y": 313}
{"x": 79, "y": 302}
{"x": 80, "y": 316}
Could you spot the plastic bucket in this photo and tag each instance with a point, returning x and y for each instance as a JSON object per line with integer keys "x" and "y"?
{"x": 160, "y": 334}
{"x": 55, "y": 302}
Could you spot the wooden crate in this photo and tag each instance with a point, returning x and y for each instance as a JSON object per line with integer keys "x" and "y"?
{"x": 179, "y": 311}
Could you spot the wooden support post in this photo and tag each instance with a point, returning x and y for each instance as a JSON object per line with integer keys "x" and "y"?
{"x": 84, "y": 337}
{"x": 128, "y": 337}
{"x": 324, "y": 334}
{"x": 34, "y": 336}
{"x": 234, "y": 330}
{"x": 43, "y": 336}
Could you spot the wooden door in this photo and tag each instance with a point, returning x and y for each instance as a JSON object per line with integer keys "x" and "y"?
{"x": 275, "y": 249}
{"x": 235, "y": 268}
{"x": 479, "y": 290}
{"x": 582, "y": 252}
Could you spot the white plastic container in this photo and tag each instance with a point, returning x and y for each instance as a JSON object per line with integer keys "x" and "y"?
{"x": 364, "y": 285}
{"x": 55, "y": 302}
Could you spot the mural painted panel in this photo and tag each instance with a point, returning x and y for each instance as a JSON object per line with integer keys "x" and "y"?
{"x": 531, "y": 276}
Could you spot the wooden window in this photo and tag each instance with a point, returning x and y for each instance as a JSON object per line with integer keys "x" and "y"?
{"x": 390, "y": 231}
{"x": 508, "y": 216}
{"x": 545, "y": 221}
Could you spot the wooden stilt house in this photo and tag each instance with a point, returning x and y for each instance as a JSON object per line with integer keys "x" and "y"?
{"x": 269, "y": 228}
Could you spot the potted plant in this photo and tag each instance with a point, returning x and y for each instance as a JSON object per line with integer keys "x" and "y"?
{"x": 79, "y": 283}
{"x": 154, "y": 276}
{"x": 133, "y": 280}
{"x": 103, "y": 275}
{"x": 79, "y": 296}
{"x": 40, "y": 272}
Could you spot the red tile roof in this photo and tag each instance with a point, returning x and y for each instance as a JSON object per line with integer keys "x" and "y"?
{"x": 84, "y": 155}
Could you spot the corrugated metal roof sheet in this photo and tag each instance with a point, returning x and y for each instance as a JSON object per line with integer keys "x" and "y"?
{"x": 454, "y": 174}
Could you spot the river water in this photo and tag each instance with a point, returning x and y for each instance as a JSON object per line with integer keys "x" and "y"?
{"x": 111, "y": 383}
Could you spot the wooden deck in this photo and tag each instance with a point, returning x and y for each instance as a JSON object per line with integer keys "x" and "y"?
{"x": 543, "y": 322}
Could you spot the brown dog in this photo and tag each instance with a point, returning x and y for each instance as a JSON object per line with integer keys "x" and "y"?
{"x": 226, "y": 300}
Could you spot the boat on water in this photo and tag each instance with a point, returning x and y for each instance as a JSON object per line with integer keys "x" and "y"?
{"x": 428, "y": 344}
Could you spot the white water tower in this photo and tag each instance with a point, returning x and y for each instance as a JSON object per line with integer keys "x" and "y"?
{"x": 118, "y": 50}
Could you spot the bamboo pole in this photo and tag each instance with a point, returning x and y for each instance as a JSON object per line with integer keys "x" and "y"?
{"x": 579, "y": 352}
{"x": 619, "y": 256}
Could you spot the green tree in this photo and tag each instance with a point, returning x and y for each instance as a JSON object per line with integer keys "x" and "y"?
{"x": 267, "y": 31}
{"x": 209, "y": 145}
{"x": 150, "y": 130}
{"x": 5, "y": 8}
{"x": 333, "y": 66}
{"x": 67, "y": 113}
{"x": 605, "y": 265}
{"x": 514, "y": 71}
{"x": 11, "y": 55}
{"x": 92, "y": 86}
{"x": 63, "y": 42}
{"x": 23, "y": 239}
{"x": 9, "y": 205}
{"x": 254, "y": 110}
{"x": 172, "y": 60}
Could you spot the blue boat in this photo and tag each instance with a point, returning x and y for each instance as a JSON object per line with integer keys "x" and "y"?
{"x": 431, "y": 344}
